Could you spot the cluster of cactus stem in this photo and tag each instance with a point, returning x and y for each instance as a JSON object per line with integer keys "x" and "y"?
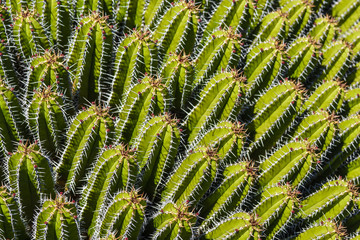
{"x": 191, "y": 119}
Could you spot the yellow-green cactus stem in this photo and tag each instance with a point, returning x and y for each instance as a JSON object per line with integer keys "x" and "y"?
{"x": 11, "y": 225}
{"x": 157, "y": 147}
{"x": 89, "y": 132}
{"x": 114, "y": 171}
{"x": 57, "y": 219}
{"x": 88, "y": 56}
{"x": 149, "y": 96}
{"x": 124, "y": 213}
{"x": 48, "y": 120}
{"x": 30, "y": 178}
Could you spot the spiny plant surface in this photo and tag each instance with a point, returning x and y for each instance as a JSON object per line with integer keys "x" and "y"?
{"x": 160, "y": 119}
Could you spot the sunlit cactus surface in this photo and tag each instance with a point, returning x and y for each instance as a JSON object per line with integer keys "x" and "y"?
{"x": 179, "y": 119}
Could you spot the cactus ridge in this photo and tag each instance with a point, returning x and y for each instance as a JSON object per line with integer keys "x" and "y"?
{"x": 186, "y": 119}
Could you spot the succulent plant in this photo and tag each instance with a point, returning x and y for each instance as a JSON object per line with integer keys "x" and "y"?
{"x": 186, "y": 119}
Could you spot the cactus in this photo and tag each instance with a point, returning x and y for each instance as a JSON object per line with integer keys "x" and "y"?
{"x": 263, "y": 65}
{"x": 156, "y": 152}
{"x": 29, "y": 35}
{"x": 193, "y": 177}
{"x": 178, "y": 74}
{"x": 11, "y": 224}
{"x": 270, "y": 111}
{"x": 318, "y": 128}
{"x": 136, "y": 56}
{"x": 29, "y": 177}
{"x": 57, "y": 219}
{"x": 47, "y": 119}
{"x": 228, "y": 13}
{"x": 328, "y": 96}
{"x": 11, "y": 130}
{"x": 221, "y": 51}
{"x": 125, "y": 213}
{"x": 352, "y": 98}
{"x": 120, "y": 168}
{"x": 324, "y": 30}
{"x": 333, "y": 201}
{"x": 303, "y": 58}
{"x": 227, "y": 137}
{"x": 173, "y": 222}
{"x": 148, "y": 97}
{"x": 57, "y": 16}
{"x": 325, "y": 229}
{"x": 90, "y": 130}
{"x": 276, "y": 208}
{"x": 176, "y": 31}
{"x": 237, "y": 225}
{"x": 229, "y": 195}
{"x": 48, "y": 69}
{"x": 93, "y": 42}
{"x": 191, "y": 119}
{"x": 293, "y": 163}
{"x": 221, "y": 99}
{"x": 346, "y": 13}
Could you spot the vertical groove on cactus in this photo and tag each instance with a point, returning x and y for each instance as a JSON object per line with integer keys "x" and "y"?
{"x": 30, "y": 177}
{"x": 115, "y": 170}
{"x": 149, "y": 96}
{"x": 57, "y": 219}
{"x": 156, "y": 151}
{"x": 136, "y": 56}
{"x": 91, "y": 130}
{"x": 11, "y": 225}
{"x": 125, "y": 213}
{"x": 89, "y": 52}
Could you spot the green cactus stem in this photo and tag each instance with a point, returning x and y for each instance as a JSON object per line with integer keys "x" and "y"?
{"x": 45, "y": 70}
{"x": 227, "y": 137}
{"x": 173, "y": 221}
{"x": 352, "y": 98}
{"x": 264, "y": 64}
{"x": 334, "y": 200}
{"x": 192, "y": 177}
{"x": 114, "y": 171}
{"x": 220, "y": 100}
{"x": 178, "y": 75}
{"x": 89, "y": 131}
{"x": 292, "y": 163}
{"x": 323, "y": 230}
{"x": 29, "y": 35}
{"x": 56, "y": 16}
{"x": 12, "y": 120}
{"x": 277, "y": 207}
{"x": 47, "y": 120}
{"x": 29, "y": 177}
{"x": 229, "y": 195}
{"x": 324, "y": 30}
{"x": 125, "y": 213}
{"x": 11, "y": 226}
{"x": 228, "y": 13}
{"x": 156, "y": 151}
{"x": 136, "y": 56}
{"x": 176, "y": 31}
{"x": 303, "y": 58}
{"x": 346, "y": 12}
{"x": 221, "y": 51}
{"x": 328, "y": 96}
{"x": 274, "y": 111}
{"x": 57, "y": 219}
{"x": 88, "y": 57}
{"x": 319, "y": 128}
{"x": 239, "y": 225}
{"x": 149, "y": 96}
